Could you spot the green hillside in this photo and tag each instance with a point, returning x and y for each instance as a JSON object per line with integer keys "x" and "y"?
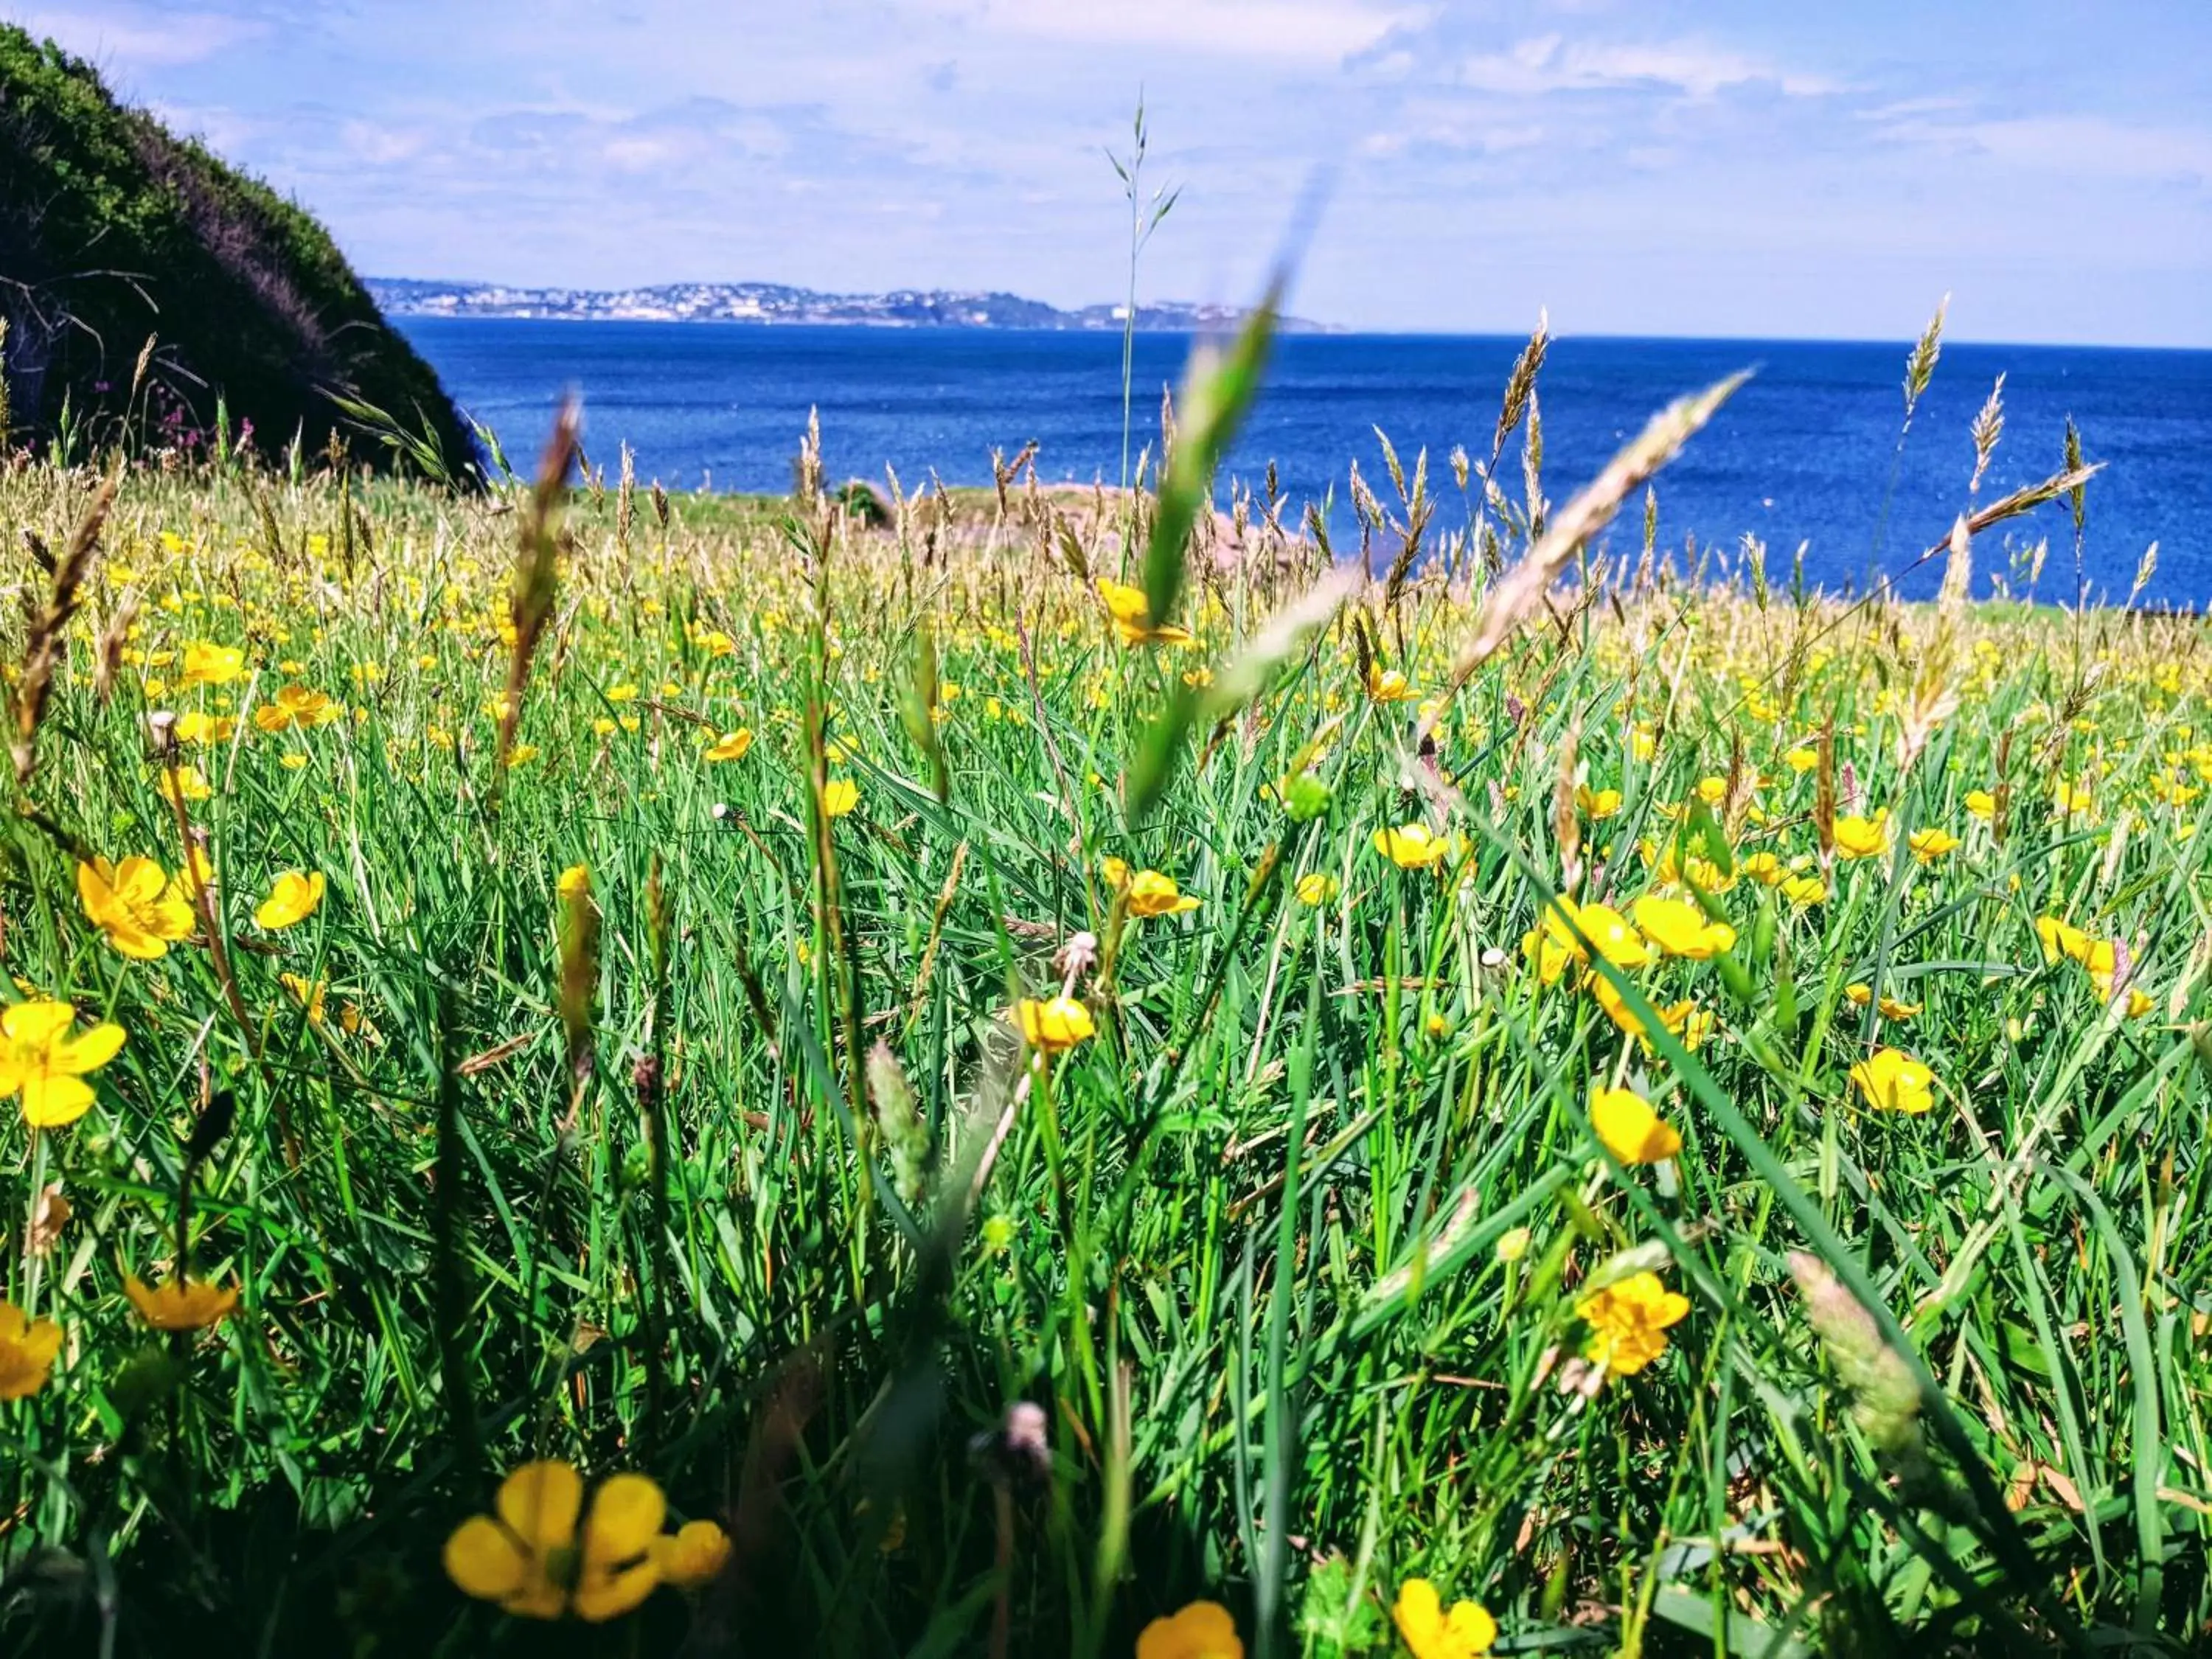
{"x": 113, "y": 230}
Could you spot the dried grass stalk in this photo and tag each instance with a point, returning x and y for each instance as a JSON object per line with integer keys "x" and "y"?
{"x": 44, "y": 646}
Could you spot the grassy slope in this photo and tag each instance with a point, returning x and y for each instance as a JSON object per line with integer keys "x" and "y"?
{"x": 108, "y": 219}
{"x": 1318, "y": 1394}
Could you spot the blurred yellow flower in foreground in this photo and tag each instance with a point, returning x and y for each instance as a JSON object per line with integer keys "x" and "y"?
{"x": 309, "y": 994}
{"x": 211, "y": 664}
{"x": 180, "y": 1304}
{"x": 298, "y": 706}
{"x": 1631, "y": 1130}
{"x": 1131, "y": 617}
{"x": 27, "y": 1348}
{"x": 541, "y": 1555}
{"x": 1389, "y": 685}
{"x": 1465, "y": 1632}
{"x": 180, "y": 784}
{"x": 1628, "y": 1322}
{"x": 41, "y": 1060}
{"x": 692, "y": 1555}
{"x": 1203, "y": 1630}
{"x": 292, "y": 899}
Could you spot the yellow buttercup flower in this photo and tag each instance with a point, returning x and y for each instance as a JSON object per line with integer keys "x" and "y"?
{"x": 1631, "y": 1130}
{"x": 196, "y": 726}
{"x": 309, "y": 994}
{"x": 1431, "y": 1633}
{"x": 1152, "y": 894}
{"x": 1890, "y": 1080}
{"x": 1680, "y": 929}
{"x": 692, "y": 1555}
{"x": 1890, "y": 1007}
{"x": 140, "y": 910}
{"x": 1566, "y": 925}
{"x": 27, "y": 1348}
{"x": 292, "y": 899}
{"x": 2060, "y": 938}
{"x": 1686, "y": 1020}
{"x": 1981, "y": 804}
{"x": 180, "y": 784}
{"x": 1929, "y": 845}
{"x": 2073, "y": 798}
{"x": 1804, "y": 890}
{"x": 1858, "y": 837}
{"x": 180, "y": 1304}
{"x": 1765, "y": 868}
{"x": 1131, "y": 617}
{"x": 540, "y": 1554}
{"x": 1317, "y": 888}
{"x": 1628, "y": 1322}
{"x": 211, "y": 664}
{"x": 1802, "y": 759}
{"x": 731, "y": 745}
{"x": 46, "y": 1065}
{"x": 1389, "y": 685}
{"x": 1413, "y": 847}
{"x": 296, "y": 706}
{"x": 1203, "y": 1630}
{"x": 1055, "y": 1024}
{"x": 1597, "y": 805}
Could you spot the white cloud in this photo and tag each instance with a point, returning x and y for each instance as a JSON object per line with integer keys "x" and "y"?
{"x": 1550, "y": 62}
{"x": 2067, "y": 146}
{"x": 1316, "y": 31}
{"x": 131, "y": 40}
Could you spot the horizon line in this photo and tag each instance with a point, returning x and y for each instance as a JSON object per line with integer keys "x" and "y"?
{"x": 1317, "y": 325}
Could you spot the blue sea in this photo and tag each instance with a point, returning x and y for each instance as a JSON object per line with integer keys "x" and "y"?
{"x": 1802, "y": 454}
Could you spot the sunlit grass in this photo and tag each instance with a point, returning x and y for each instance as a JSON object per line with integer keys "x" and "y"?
{"x": 1053, "y": 980}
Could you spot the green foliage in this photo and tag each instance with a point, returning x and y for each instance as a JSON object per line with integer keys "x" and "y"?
{"x": 113, "y": 232}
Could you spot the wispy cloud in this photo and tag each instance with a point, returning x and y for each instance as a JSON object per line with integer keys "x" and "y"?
{"x": 1550, "y": 63}
{"x": 132, "y": 40}
{"x": 1314, "y": 30}
{"x": 2069, "y": 146}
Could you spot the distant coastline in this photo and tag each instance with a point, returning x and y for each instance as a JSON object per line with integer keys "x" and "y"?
{"x": 775, "y": 302}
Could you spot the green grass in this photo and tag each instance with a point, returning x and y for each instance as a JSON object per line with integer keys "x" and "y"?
{"x": 1290, "y": 1253}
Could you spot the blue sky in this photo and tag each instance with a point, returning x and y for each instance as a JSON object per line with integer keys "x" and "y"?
{"x": 1635, "y": 165}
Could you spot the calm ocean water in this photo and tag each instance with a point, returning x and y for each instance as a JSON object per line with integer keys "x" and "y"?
{"x": 1802, "y": 454}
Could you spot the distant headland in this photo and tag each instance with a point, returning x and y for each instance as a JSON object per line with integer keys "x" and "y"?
{"x": 774, "y": 303}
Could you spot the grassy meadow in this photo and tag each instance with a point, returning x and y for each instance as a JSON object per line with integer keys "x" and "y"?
{"x": 596, "y": 1073}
